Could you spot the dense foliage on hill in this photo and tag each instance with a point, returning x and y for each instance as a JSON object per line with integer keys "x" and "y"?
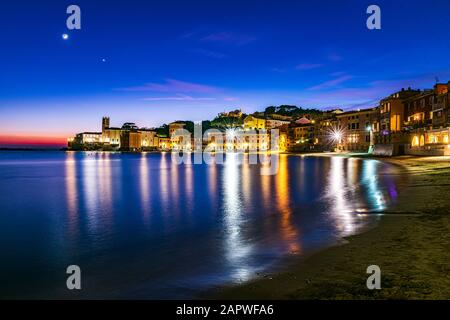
{"x": 222, "y": 121}
{"x": 227, "y": 122}
{"x": 292, "y": 111}
{"x": 162, "y": 131}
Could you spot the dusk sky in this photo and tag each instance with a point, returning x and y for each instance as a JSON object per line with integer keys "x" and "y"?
{"x": 152, "y": 62}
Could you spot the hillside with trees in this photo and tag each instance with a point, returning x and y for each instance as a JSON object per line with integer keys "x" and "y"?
{"x": 291, "y": 111}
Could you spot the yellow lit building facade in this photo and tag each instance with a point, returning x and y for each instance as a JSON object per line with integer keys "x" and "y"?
{"x": 176, "y": 140}
{"x": 148, "y": 139}
{"x": 163, "y": 143}
{"x": 432, "y": 142}
{"x": 429, "y": 120}
{"x": 254, "y": 123}
{"x": 111, "y": 136}
{"x": 357, "y": 128}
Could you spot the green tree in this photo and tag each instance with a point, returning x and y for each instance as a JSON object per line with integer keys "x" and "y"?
{"x": 163, "y": 130}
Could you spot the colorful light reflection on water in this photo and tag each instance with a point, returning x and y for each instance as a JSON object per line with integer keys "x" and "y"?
{"x": 141, "y": 226}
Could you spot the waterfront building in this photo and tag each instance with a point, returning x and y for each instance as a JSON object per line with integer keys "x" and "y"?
{"x": 182, "y": 142}
{"x": 176, "y": 139}
{"x": 131, "y": 140}
{"x": 323, "y": 134}
{"x": 254, "y": 140}
{"x": 105, "y": 123}
{"x": 162, "y": 142}
{"x": 197, "y": 143}
{"x": 303, "y": 133}
{"x": 85, "y": 141}
{"x": 215, "y": 140}
{"x": 419, "y": 113}
{"x": 419, "y": 110}
{"x": 283, "y": 139}
{"x": 110, "y": 136}
{"x": 130, "y": 137}
{"x": 389, "y": 133}
{"x": 242, "y": 140}
{"x": 429, "y": 135}
{"x": 441, "y": 105}
{"x": 357, "y": 129}
{"x": 431, "y": 142}
{"x": 393, "y": 113}
{"x": 89, "y": 137}
{"x": 148, "y": 139}
{"x": 407, "y": 121}
{"x": 174, "y": 126}
{"x": 300, "y": 136}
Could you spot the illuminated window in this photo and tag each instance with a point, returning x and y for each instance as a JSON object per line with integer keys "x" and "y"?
{"x": 432, "y": 139}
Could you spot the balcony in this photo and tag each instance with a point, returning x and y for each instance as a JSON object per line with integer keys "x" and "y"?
{"x": 439, "y": 106}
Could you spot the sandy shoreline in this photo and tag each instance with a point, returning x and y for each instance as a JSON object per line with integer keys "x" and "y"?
{"x": 411, "y": 245}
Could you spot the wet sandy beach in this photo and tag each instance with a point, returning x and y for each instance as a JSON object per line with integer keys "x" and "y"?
{"x": 411, "y": 245}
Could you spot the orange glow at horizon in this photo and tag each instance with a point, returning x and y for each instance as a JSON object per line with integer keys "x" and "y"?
{"x": 33, "y": 140}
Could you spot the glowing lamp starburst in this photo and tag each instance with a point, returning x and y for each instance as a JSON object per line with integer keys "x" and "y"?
{"x": 231, "y": 133}
{"x": 335, "y": 135}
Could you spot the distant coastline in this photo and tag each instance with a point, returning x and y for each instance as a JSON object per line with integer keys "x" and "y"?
{"x": 32, "y": 149}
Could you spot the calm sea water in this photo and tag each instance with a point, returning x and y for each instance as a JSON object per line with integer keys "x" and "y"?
{"x": 141, "y": 226}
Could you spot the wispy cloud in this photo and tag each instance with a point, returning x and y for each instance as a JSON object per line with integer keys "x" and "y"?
{"x": 338, "y": 73}
{"x": 230, "y": 98}
{"x": 331, "y": 83}
{"x": 367, "y": 94}
{"x": 174, "y": 86}
{"x": 364, "y": 104}
{"x": 278, "y": 70}
{"x": 179, "y": 97}
{"x": 308, "y": 66}
{"x": 301, "y": 66}
{"x": 210, "y": 53}
{"x": 419, "y": 80}
{"x": 228, "y": 38}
